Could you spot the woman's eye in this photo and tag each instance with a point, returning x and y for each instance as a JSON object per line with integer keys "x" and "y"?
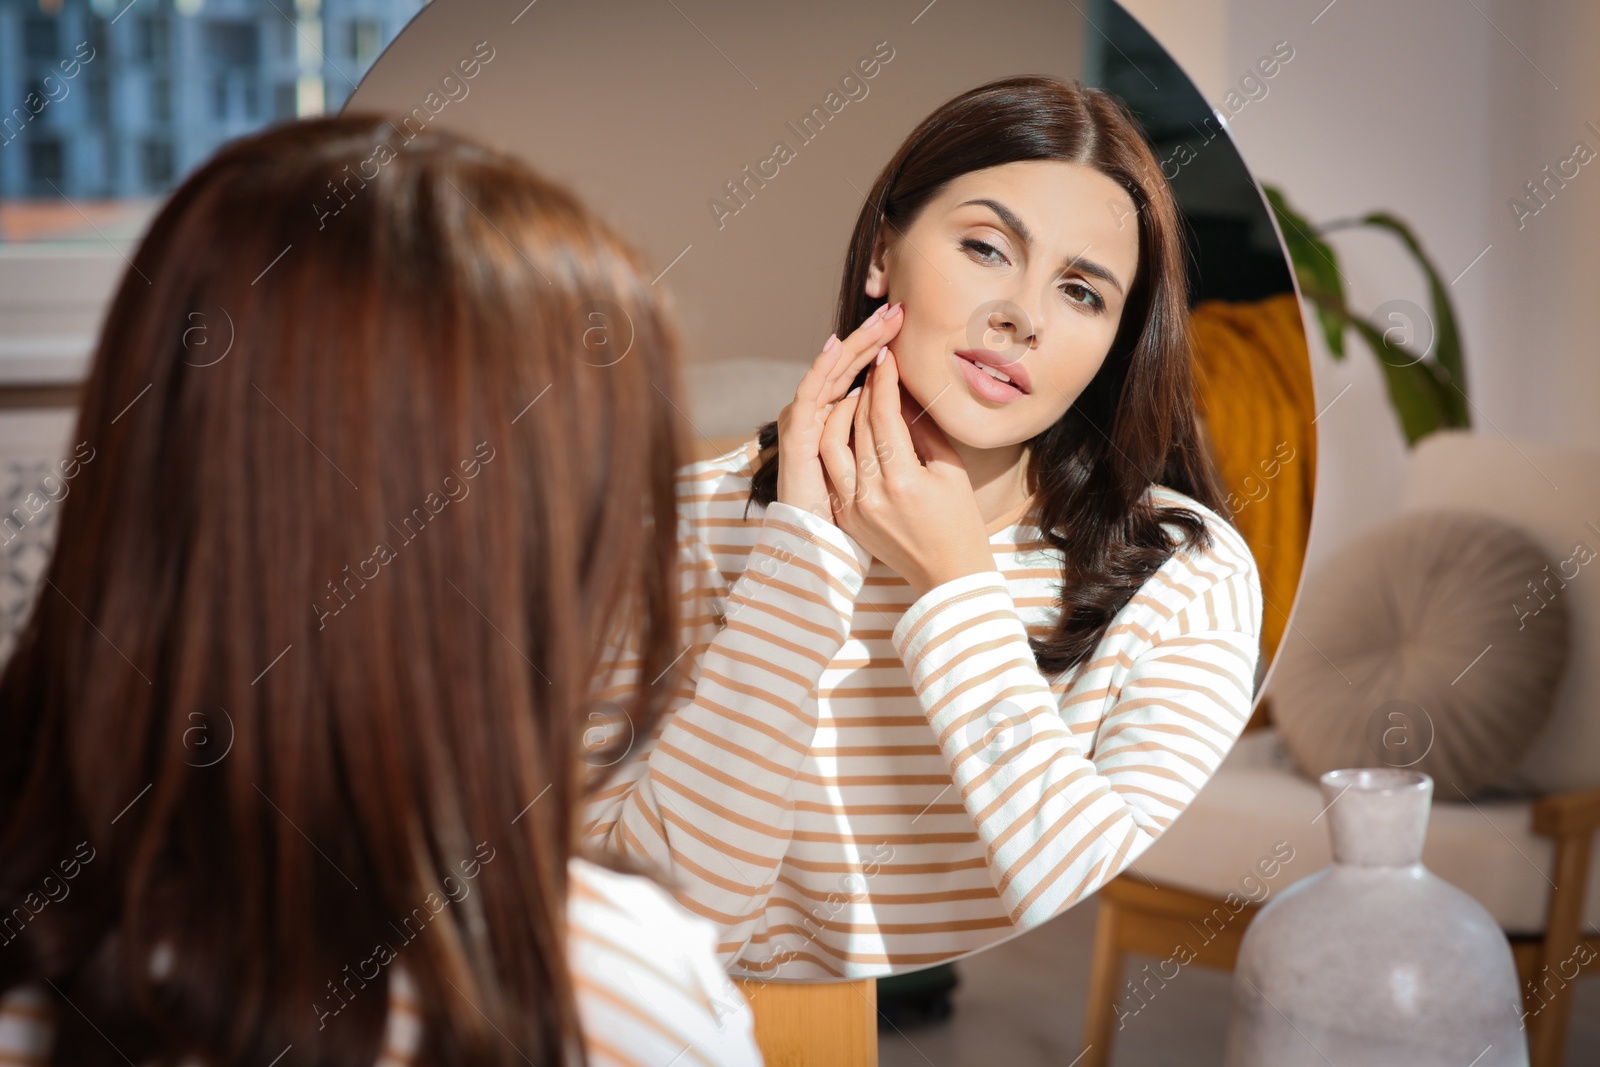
{"x": 987, "y": 253}
{"x": 1091, "y": 298}
{"x": 982, "y": 250}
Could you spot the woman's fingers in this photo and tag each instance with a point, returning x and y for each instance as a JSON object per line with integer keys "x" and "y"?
{"x": 801, "y": 414}
{"x": 833, "y": 496}
{"x": 838, "y": 462}
{"x": 814, "y": 382}
{"x": 867, "y": 465}
{"x": 862, "y": 345}
{"x": 830, "y": 374}
{"x": 888, "y": 426}
{"x": 838, "y": 363}
{"x": 802, "y": 479}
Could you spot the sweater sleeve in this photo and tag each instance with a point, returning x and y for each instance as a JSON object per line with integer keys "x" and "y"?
{"x": 1055, "y": 823}
{"x": 650, "y": 988}
{"x": 708, "y": 799}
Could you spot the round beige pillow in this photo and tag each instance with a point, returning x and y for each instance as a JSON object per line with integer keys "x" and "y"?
{"x": 1421, "y": 644}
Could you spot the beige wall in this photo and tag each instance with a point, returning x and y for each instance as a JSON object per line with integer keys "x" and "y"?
{"x": 1439, "y": 112}
{"x": 647, "y": 115}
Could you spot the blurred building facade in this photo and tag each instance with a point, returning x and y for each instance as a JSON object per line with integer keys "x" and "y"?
{"x": 106, "y": 99}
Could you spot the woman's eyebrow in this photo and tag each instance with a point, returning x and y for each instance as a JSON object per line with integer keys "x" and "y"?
{"x": 1009, "y": 217}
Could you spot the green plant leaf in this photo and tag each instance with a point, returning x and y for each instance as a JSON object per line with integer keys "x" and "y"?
{"x": 1447, "y": 337}
{"x": 1316, "y": 267}
{"x": 1427, "y": 392}
{"x": 1417, "y": 391}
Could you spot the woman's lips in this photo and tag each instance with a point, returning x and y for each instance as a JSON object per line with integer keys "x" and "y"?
{"x": 985, "y": 384}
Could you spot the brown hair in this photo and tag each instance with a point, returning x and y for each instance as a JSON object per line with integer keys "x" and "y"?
{"x": 304, "y": 674}
{"x": 1134, "y": 423}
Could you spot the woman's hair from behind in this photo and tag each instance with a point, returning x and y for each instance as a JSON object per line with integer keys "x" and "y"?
{"x": 1134, "y": 424}
{"x": 372, "y": 425}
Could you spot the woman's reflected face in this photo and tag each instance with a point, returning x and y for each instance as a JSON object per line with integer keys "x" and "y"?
{"x": 1025, "y": 267}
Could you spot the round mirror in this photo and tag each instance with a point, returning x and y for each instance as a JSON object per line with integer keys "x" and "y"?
{"x": 872, "y": 770}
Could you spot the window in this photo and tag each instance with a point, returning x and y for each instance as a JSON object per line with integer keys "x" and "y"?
{"x": 152, "y": 40}
{"x": 39, "y": 39}
{"x": 35, "y": 97}
{"x": 363, "y": 40}
{"x": 164, "y": 84}
{"x": 99, "y": 35}
{"x": 45, "y": 162}
{"x": 155, "y": 160}
{"x": 99, "y": 100}
{"x": 234, "y": 44}
{"x": 161, "y": 99}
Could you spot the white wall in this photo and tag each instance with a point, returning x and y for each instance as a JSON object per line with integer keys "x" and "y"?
{"x": 1430, "y": 111}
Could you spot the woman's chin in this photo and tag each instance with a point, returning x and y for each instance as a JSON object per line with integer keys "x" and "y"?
{"x": 971, "y": 425}
{"x": 979, "y": 430}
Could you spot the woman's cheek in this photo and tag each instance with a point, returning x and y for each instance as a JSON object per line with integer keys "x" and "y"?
{"x": 918, "y": 370}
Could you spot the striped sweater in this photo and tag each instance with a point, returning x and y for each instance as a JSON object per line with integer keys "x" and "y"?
{"x": 853, "y": 781}
{"x": 649, "y": 988}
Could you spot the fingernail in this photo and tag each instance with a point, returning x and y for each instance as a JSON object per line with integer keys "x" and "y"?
{"x": 852, "y": 392}
{"x": 877, "y": 314}
{"x": 894, "y": 309}
{"x": 884, "y": 351}
{"x": 832, "y": 343}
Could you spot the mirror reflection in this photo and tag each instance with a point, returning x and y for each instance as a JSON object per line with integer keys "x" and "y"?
{"x": 975, "y": 586}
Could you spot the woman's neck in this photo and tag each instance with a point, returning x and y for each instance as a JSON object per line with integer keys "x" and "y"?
{"x": 998, "y": 477}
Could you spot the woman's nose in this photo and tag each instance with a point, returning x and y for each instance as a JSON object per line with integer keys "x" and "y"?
{"x": 1009, "y": 324}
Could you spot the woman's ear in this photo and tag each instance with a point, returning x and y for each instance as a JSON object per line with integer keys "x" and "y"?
{"x": 877, "y": 283}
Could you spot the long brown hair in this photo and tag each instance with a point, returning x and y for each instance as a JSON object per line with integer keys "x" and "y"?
{"x": 1134, "y": 423}
{"x": 382, "y": 442}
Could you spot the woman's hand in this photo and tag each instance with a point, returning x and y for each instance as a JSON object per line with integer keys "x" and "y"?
{"x": 800, "y": 479}
{"x": 902, "y": 491}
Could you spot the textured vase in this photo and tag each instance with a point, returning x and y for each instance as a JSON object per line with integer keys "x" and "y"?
{"x": 1374, "y": 960}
